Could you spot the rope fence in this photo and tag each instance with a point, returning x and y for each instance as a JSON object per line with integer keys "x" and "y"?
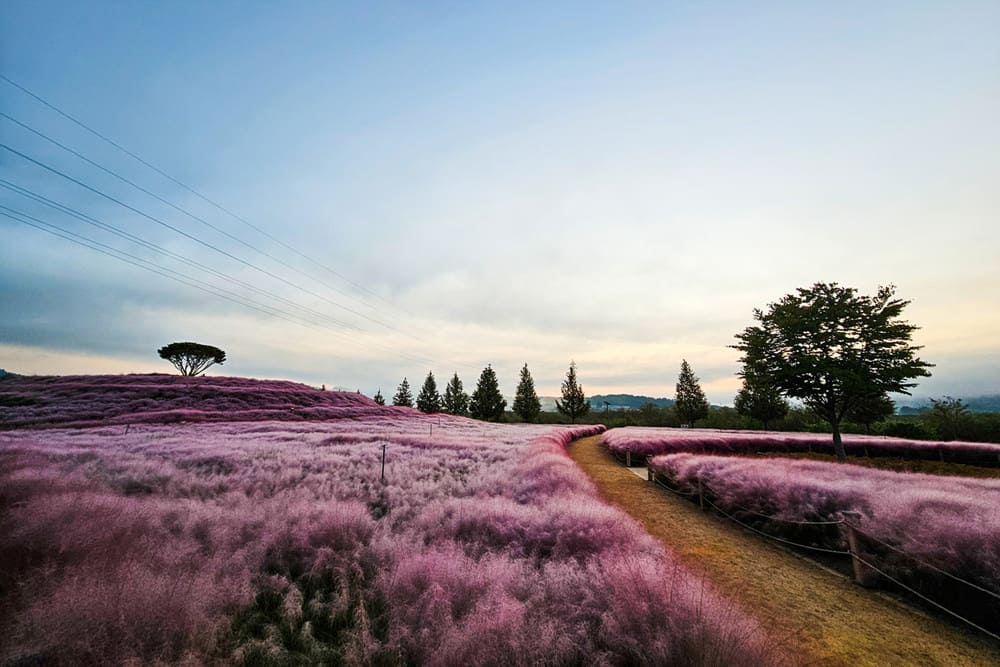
{"x": 851, "y": 532}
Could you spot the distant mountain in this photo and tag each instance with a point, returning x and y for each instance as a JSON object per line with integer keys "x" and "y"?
{"x": 987, "y": 403}
{"x": 627, "y": 401}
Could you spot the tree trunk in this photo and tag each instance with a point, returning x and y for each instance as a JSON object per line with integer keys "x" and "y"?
{"x": 838, "y": 443}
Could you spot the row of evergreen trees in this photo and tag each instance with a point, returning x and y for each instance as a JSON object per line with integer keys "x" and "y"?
{"x": 486, "y": 402}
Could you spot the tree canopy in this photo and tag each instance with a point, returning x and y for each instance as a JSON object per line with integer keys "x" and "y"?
{"x": 831, "y": 348}
{"x": 526, "y": 403}
{"x": 487, "y": 403}
{"x": 690, "y": 403}
{"x": 574, "y": 403}
{"x": 456, "y": 401}
{"x": 758, "y": 399}
{"x": 192, "y": 358}
{"x": 429, "y": 400}
{"x": 871, "y": 409}
{"x": 403, "y": 395}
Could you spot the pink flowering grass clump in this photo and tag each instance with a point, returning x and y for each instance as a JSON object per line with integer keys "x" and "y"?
{"x": 279, "y": 542}
{"x": 95, "y": 400}
{"x": 650, "y": 441}
{"x": 951, "y": 525}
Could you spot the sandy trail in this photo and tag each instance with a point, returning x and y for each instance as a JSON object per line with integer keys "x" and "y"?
{"x": 822, "y": 616}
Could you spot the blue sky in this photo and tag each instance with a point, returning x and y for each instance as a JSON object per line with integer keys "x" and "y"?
{"x": 619, "y": 184}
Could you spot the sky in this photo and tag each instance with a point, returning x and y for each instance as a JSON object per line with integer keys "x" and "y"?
{"x": 386, "y": 189}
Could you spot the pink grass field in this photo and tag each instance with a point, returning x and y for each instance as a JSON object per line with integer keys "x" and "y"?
{"x": 648, "y": 441}
{"x": 951, "y": 523}
{"x": 273, "y": 542}
{"x": 99, "y": 400}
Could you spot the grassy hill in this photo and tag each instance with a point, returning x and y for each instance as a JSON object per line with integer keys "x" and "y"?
{"x": 93, "y": 400}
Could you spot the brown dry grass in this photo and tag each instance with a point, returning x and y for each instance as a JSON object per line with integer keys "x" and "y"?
{"x": 822, "y": 616}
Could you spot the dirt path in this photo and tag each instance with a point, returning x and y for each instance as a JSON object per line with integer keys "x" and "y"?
{"x": 823, "y": 616}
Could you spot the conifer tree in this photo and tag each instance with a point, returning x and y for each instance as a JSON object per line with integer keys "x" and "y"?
{"x": 403, "y": 396}
{"x": 526, "y": 403}
{"x": 689, "y": 400}
{"x": 574, "y": 403}
{"x": 456, "y": 401}
{"x": 487, "y": 403}
{"x": 429, "y": 400}
{"x": 378, "y": 398}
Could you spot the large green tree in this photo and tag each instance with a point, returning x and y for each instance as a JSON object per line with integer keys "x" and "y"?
{"x": 526, "y": 403}
{"x": 758, "y": 399}
{"x": 690, "y": 403}
{"x": 574, "y": 403}
{"x": 831, "y": 347}
{"x": 429, "y": 400}
{"x": 192, "y": 358}
{"x": 487, "y": 403}
{"x": 456, "y": 401}
{"x": 403, "y": 397}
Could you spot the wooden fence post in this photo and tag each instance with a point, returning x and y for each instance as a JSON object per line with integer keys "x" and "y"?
{"x": 650, "y": 475}
{"x": 628, "y": 458}
{"x": 863, "y": 575}
{"x": 701, "y": 495}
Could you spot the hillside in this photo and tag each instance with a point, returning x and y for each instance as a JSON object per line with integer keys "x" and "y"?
{"x": 93, "y": 400}
{"x": 985, "y": 403}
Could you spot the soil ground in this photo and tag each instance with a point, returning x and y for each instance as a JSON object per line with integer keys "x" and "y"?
{"x": 822, "y": 616}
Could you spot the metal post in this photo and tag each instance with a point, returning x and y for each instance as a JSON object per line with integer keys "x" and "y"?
{"x": 701, "y": 495}
{"x": 628, "y": 458}
{"x": 383, "y": 463}
{"x": 650, "y": 475}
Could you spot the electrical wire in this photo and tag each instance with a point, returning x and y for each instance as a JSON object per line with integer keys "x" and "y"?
{"x": 189, "y": 214}
{"x": 198, "y": 194}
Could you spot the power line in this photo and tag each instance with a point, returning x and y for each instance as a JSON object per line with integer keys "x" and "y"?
{"x": 208, "y": 200}
{"x": 55, "y": 230}
{"x": 197, "y": 218}
{"x": 175, "y": 229}
{"x": 204, "y": 198}
{"x": 176, "y": 276}
{"x": 62, "y": 208}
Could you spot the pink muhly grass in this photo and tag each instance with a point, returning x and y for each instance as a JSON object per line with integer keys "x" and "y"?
{"x": 278, "y": 541}
{"x": 950, "y": 523}
{"x": 648, "y": 441}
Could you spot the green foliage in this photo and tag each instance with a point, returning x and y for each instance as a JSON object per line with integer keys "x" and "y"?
{"x": 946, "y": 417}
{"x": 757, "y": 399}
{"x": 574, "y": 404}
{"x": 831, "y": 348}
{"x": 871, "y": 409}
{"x": 192, "y": 358}
{"x": 689, "y": 400}
{"x": 403, "y": 396}
{"x": 526, "y": 403}
{"x": 487, "y": 403}
{"x": 456, "y": 401}
{"x": 378, "y": 398}
{"x": 429, "y": 400}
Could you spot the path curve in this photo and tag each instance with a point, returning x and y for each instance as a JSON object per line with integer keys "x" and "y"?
{"x": 823, "y": 616}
